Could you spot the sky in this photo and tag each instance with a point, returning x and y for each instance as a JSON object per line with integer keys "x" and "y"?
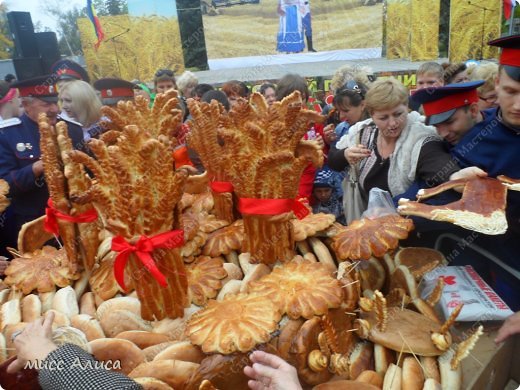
{"x": 35, "y": 7}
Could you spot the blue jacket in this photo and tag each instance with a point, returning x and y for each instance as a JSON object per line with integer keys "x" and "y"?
{"x": 19, "y": 149}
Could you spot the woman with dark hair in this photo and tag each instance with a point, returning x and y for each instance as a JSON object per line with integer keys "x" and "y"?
{"x": 268, "y": 90}
{"x": 234, "y": 90}
{"x": 455, "y": 73}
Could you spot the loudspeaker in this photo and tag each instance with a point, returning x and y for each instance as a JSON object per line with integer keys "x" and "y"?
{"x": 192, "y": 34}
{"x": 27, "y": 68}
{"x": 48, "y": 49}
{"x": 22, "y": 31}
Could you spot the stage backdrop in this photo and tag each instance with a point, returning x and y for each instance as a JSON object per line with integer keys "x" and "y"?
{"x": 472, "y": 24}
{"x": 135, "y": 45}
{"x": 248, "y": 34}
{"x": 412, "y": 29}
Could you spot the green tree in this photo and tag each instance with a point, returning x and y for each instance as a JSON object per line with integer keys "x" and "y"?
{"x": 69, "y": 40}
{"x": 6, "y": 44}
{"x": 110, "y": 7}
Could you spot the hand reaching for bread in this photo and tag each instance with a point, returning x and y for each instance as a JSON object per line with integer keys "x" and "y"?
{"x": 34, "y": 344}
{"x": 271, "y": 372}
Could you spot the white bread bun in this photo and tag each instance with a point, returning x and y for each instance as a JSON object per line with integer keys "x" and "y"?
{"x": 4, "y": 295}
{"x": 255, "y": 273}
{"x": 182, "y": 350}
{"x": 450, "y": 379}
{"x": 3, "y": 350}
{"x": 46, "y": 300}
{"x": 98, "y": 300}
{"x": 371, "y": 377}
{"x": 231, "y": 287}
{"x": 15, "y": 294}
{"x": 88, "y": 325}
{"x": 244, "y": 259}
{"x": 66, "y": 301}
{"x": 322, "y": 253}
{"x": 143, "y": 339}
{"x": 60, "y": 319}
{"x": 383, "y": 357}
{"x": 127, "y": 353}
{"x": 345, "y": 385}
{"x": 81, "y": 284}
{"x": 175, "y": 329}
{"x": 115, "y": 322}
{"x": 149, "y": 383}
{"x": 431, "y": 384}
{"x": 174, "y": 372}
{"x": 10, "y": 313}
{"x": 393, "y": 378}
{"x": 361, "y": 359}
{"x": 310, "y": 257}
{"x": 123, "y": 303}
{"x": 151, "y": 352}
{"x": 31, "y": 308}
{"x": 87, "y": 304}
{"x": 70, "y": 335}
{"x": 233, "y": 272}
{"x": 431, "y": 368}
{"x": 288, "y": 332}
{"x": 412, "y": 374}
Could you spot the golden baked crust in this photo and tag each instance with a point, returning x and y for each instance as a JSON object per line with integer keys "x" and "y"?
{"x": 225, "y": 240}
{"x": 204, "y": 278}
{"x": 41, "y": 270}
{"x": 300, "y": 289}
{"x": 311, "y": 224}
{"x": 237, "y": 323}
{"x": 366, "y": 237}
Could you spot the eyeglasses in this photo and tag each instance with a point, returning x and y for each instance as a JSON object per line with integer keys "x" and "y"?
{"x": 489, "y": 99}
{"x": 164, "y": 72}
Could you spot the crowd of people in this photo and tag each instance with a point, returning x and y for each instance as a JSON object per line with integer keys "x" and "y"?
{"x": 461, "y": 122}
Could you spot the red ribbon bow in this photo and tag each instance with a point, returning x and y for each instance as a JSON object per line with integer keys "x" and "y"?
{"x": 272, "y": 207}
{"x": 221, "y": 186}
{"x": 143, "y": 249}
{"x": 52, "y": 214}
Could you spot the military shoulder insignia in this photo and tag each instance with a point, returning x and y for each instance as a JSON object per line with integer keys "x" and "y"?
{"x": 9, "y": 122}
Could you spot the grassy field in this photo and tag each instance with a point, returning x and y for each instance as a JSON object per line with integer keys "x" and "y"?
{"x": 251, "y": 29}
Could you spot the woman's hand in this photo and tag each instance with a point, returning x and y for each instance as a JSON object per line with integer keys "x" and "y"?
{"x": 510, "y": 327}
{"x": 354, "y": 154}
{"x": 319, "y": 140}
{"x": 271, "y": 372}
{"x": 468, "y": 173}
{"x": 34, "y": 344}
{"x": 330, "y": 135}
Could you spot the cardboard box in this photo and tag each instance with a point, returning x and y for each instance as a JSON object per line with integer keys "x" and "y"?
{"x": 492, "y": 367}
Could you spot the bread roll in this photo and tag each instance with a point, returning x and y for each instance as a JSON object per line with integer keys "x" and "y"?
{"x": 255, "y": 273}
{"x": 15, "y": 294}
{"x": 3, "y": 350}
{"x": 233, "y": 272}
{"x": 60, "y": 319}
{"x": 123, "y": 303}
{"x": 182, "y": 350}
{"x": 287, "y": 334}
{"x": 98, "y": 300}
{"x": 124, "y": 351}
{"x": 4, "y": 295}
{"x": 115, "y": 322}
{"x": 393, "y": 378}
{"x": 88, "y": 325}
{"x": 173, "y": 372}
{"x": 87, "y": 304}
{"x": 361, "y": 359}
{"x": 66, "y": 301}
{"x": 345, "y": 385}
{"x": 46, "y": 300}
{"x": 412, "y": 374}
{"x": 151, "y": 352}
{"x": 450, "y": 379}
{"x": 431, "y": 368}
{"x": 70, "y": 335}
{"x": 149, "y": 383}
{"x": 383, "y": 357}
{"x": 31, "y": 308}
{"x": 431, "y": 384}
{"x": 81, "y": 284}
{"x": 322, "y": 252}
{"x": 371, "y": 377}
{"x": 10, "y": 313}
{"x": 231, "y": 287}
{"x": 143, "y": 339}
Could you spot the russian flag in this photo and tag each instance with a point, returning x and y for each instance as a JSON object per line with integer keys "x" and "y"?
{"x": 509, "y": 6}
{"x": 91, "y": 12}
